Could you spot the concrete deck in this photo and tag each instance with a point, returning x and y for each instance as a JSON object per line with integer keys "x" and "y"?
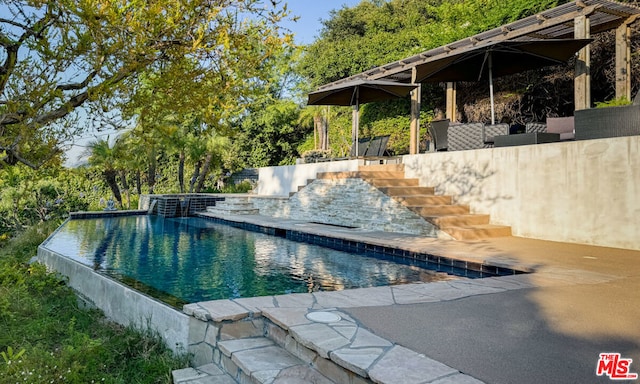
{"x": 545, "y": 327}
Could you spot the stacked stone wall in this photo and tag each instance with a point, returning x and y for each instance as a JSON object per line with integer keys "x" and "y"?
{"x": 349, "y": 202}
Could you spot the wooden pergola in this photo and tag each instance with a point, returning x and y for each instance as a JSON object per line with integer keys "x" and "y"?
{"x": 578, "y": 19}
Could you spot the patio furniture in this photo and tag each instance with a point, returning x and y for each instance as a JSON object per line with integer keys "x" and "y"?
{"x": 535, "y": 127}
{"x": 490, "y": 131}
{"x": 438, "y": 131}
{"x": 371, "y": 147}
{"x": 598, "y": 123}
{"x": 565, "y": 126}
{"x": 526, "y": 139}
{"x": 377, "y": 146}
{"x": 465, "y": 136}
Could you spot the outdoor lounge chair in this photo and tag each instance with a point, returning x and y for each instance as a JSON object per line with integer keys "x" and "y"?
{"x": 371, "y": 147}
{"x": 565, "y": 126}
{"x": 465, "y": 136}
{"x": 491, "y": 131}
{"x": 377, "y": 146}
{"x": 438, "y": 132}
{"x": 536, "y": 128}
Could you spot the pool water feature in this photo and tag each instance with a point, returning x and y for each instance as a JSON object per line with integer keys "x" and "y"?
{"x": 186, "y": 260}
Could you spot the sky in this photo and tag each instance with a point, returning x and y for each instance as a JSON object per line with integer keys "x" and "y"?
{"x": 305, "y": 30}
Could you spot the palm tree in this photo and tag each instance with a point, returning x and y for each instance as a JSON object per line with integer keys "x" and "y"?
{"x": 103, "y": 156}
{"x": 319, "y": 115}
{"x": 216, "y": 146}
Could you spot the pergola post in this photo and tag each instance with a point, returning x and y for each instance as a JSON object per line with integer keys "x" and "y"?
{"x": 414, "y": 127}
{"x": 451, "y": 111}
{"x": 623, "y": 59}
{"x": 582, "y": 82}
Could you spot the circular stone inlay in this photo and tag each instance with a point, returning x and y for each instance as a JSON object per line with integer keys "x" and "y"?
{"x": 323, "y": 317}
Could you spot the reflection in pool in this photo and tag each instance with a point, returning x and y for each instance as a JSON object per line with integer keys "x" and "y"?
{"x": 192, "y": 259}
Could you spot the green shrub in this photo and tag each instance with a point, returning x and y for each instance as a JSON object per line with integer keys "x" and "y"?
{"x": 48, "y": 338}
{"x": 618, "y": 102}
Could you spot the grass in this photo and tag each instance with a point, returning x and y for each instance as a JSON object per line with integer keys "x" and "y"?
{"x": 47, "y": 337}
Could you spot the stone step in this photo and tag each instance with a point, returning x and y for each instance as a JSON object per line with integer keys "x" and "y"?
{"x": 477, "y": 232}
{"x": 394, "y": 182}
{"x": 259, "y": 360}
{"x": 235, "y": 200}
{"x": 381, "y": 174}
{"x": 206, "y": 374}
{"x": 225, "y": 211}
{"x": 258, "y": 343}
{"x": 435, "y": 210}
{"x": 234, "y": 204}
{"x": 457, "y": 220}
{"x": 382, "y": 167}
{"x": 404, "y": 191}
{"x": 423, "y": 199}
{"x": 360, "y": 174}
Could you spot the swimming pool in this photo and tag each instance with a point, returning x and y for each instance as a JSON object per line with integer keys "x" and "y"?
{"x": 185, "y": 260}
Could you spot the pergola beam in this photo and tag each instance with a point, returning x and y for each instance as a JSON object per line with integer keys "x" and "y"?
{"x": 505, "y": 34}
{"x": 623, "y": 59}
{"x": 451, "y": 111}
{"x": 582, "y": 81}
{"x": 414, "y": 126}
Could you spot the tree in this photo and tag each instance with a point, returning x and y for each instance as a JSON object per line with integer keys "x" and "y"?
{"x": 216, "y": 149}
{"x": 270, "y": 134}
{"x": 377, "y": 32}
{"x": 104, "y": 157}
{"x": 58, "y": 56}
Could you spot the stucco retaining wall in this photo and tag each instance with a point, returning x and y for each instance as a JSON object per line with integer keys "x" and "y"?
{"x": 120, "y": 303}
{"x": 282, "y": 180}
{"x": 579, "y": 192}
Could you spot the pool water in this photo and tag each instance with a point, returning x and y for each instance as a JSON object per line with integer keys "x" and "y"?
{"x": 185, "y": 260}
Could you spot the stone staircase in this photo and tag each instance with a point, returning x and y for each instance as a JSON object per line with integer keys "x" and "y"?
{"x": 234, "y": 206}
{"x": 284, "y": 345}
{"x": 454, "y": 219}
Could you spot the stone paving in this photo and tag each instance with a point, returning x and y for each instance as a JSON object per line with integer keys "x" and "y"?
{"x": 342, "y": 342}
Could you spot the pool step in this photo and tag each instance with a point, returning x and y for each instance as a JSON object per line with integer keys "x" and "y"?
{"x": 234, "y": 206}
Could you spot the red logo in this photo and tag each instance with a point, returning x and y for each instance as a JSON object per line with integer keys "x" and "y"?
{"x": 614, "y": 366}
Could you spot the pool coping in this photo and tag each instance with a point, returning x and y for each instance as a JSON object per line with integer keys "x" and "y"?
{"x": 356, "y": 240}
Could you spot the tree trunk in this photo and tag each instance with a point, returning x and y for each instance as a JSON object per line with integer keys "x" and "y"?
{"x": 316, "y": 130}
{"x": 181, "y": 172}
{"x": 151, "y": 173}
{"x": 205, "y": 171}
{"x": 138, "y": 183}
{"x": 110, "y": 178}
{"x": 324, "y": 134}
{"x": 196, "y": 174}
{"x": 125, "y": 187}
